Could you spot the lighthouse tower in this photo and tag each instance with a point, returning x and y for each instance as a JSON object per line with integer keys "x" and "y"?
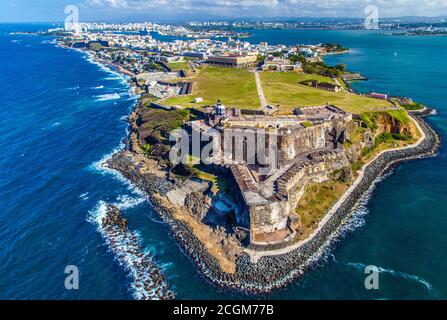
{"x": 220, "y": 109}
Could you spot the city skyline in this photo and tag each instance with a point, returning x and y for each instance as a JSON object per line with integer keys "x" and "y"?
{"x": 174, "y": 10}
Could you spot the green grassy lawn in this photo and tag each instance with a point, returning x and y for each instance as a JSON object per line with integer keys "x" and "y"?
{"x": 162, "y": 122}
{"x": 235, "y": 87}
{"x": 283, "y": 89}
{"x": 316, "y": 202}
{"x": 177, "y": 66}
{"x": 220, "y": 183}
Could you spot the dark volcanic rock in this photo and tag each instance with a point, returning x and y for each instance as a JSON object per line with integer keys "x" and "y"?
{"x": 149, "y": 281}
{"x": 123, "y": 163}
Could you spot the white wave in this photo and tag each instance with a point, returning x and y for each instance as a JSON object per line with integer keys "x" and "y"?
{"x": 97, "y": 88}
{"x": 434, "y": 112}
{"x": 116, "y": 75}
{"x": 99, "y": 166}
{"x": 84, "y": 196}
{"x": 96, "y": 215}
{"x": 152, "y": 216}
{"x": 126, "y": 245}
{"x": 127, "y": 202}
{"x": 112, "y": 78}
{"x": 108, "y": 97}
{"x": 167, "y": 267}
{"x": 73, "y": 88}
{"x": 135, "y": 100}
{"x": 357, "y": 218}
{"x": 397, "y": 274}
{"x": 132, "y": 93}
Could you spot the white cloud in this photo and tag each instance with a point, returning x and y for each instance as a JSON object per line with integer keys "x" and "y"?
{"x": 266, "y": 8}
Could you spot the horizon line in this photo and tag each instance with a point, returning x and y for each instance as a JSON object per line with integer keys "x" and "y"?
{"x": 223, "y": 19}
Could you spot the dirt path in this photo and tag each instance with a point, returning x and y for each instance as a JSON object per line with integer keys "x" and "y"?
{"x": 261, "y": 95}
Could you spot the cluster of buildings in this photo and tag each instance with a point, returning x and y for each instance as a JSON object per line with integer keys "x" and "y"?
{"x": 164, "y": 84}
{"x": 147, "y": 27}
{"x": 140, "y": 53}
{"x": 233, "y": 60}
{"x": 281, "y": 64}
{"x": 137, "y": 27}
{"x": 131, "y": 61}
{"x": 122, "y": 36}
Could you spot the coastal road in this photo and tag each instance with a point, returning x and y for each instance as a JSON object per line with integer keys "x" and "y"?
{"x": 261, "y": 95}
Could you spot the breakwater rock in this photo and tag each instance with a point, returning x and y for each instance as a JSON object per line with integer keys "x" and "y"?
{"x": 273, "y": 271}
{"x": 148, "y": 281}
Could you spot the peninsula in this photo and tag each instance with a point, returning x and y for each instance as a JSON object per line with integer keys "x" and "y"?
{"x": 254, "y": 155}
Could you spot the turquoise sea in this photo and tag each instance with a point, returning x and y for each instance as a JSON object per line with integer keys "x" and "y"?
{"x": 61, "y": 114}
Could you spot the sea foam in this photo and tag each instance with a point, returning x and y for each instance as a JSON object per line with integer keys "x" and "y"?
{"x": 108, "y": 97}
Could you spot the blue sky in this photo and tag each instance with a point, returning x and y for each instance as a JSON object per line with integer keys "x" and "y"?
{"x": 145, "y": 10}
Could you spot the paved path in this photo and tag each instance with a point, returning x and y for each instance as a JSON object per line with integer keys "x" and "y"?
{"x": 261, "y": 95}
{"x": 256, "y": 255}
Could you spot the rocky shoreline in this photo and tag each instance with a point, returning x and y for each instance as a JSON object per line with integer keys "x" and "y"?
{"x": 269, "y": 272}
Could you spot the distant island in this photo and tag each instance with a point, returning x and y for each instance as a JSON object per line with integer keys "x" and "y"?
{"x": 419, "y": 32}
{"x": 285, "y": 147}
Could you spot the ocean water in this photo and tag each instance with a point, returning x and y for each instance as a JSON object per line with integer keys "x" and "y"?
{"x": 61, "y": 115}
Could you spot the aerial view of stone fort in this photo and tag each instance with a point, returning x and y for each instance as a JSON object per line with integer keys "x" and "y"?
{"x": 254, "y": 155}
{"x": 245, "y": 157}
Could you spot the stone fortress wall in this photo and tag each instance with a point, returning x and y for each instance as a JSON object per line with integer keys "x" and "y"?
{"x": 307, "y": 167}
{"x": 319, "y": 136}
{"x": 317, "y": 169}
{"x": 309, "y": 148}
